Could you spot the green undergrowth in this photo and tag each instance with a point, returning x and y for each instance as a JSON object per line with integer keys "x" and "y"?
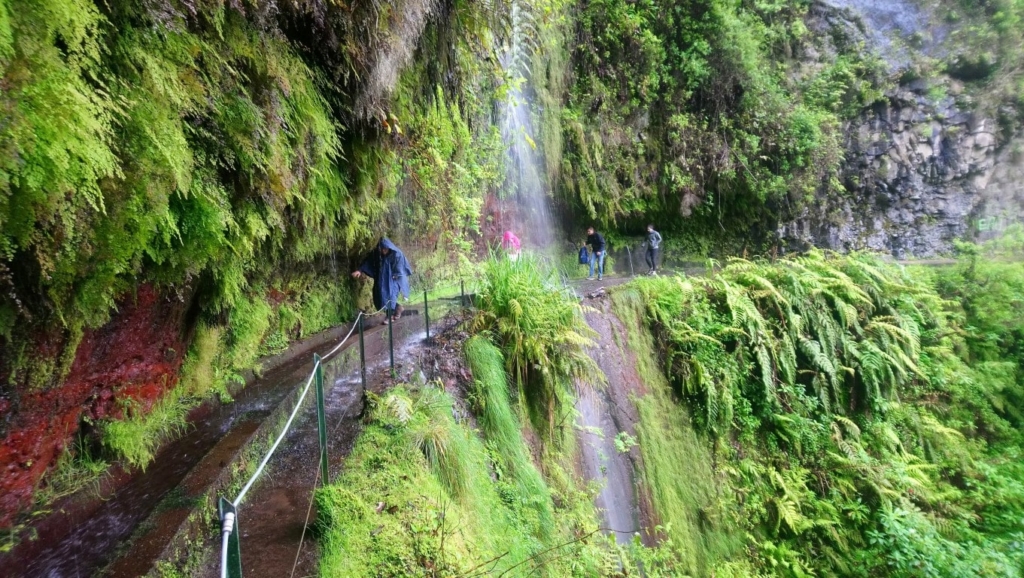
{"x": 78, "y": 468}
{"x": 136, "y": 438}
{"x": 417, "y": 498}
{"x": 690, "y": 113}
{"x": 216, "y": 154}
{"x": 678, "y": 470}
{"x": 540, "y": 329}
{"x": 855, "y": 422}
{"x": 503, "y": 432}
{"x": 425, "y": 495}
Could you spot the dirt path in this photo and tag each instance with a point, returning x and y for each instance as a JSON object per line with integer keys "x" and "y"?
{"x": 278, "y": 509}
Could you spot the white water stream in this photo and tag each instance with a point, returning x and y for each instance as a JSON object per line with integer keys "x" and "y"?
{"x": 524, "y": 181}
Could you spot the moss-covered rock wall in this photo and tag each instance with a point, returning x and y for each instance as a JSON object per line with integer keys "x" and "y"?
{"x": 227, "y": 162}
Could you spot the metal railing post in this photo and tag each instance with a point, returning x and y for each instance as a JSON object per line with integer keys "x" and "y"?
{"x": 321, "y": 415}
{"x": 426, "y": 313}
{"x": 391, "y": 343}
{"x": 462, "y": 292}
{"x": 630, "y": 253}
{"x": 231, "y": 562}
{"x": 362, "y": 355}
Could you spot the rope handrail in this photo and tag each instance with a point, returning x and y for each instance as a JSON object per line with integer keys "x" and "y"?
{"x": 229, "y": 518}
{"x": 295, "y": 411}
{"x": 228, "y": 509}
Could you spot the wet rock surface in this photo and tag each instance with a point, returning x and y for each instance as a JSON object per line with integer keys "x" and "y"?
{"x": 132, "y": 360}
{"x": 923, "y": 166}
{"x": 607, "y": 419}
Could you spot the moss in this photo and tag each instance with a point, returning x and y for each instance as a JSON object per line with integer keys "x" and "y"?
{"x": 503, "y": 432}
{"x": 392, "y": 515}
{"x": 136, "y": 439}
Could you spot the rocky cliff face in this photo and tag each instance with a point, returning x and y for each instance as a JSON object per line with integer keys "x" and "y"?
{"x": 130, "y": 362}
{"x": 923, "y": 166}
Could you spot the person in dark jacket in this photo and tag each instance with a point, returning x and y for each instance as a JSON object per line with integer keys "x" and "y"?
{"x": 653, "y": 243}
{"x": 596, "y": 242}
{"x": 390, "y": 271}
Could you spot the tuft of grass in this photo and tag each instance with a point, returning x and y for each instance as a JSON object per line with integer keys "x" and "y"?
{"x": 503, "y": 430}
{"x": 541, "y": 330}
{"x": 76, "y": 469}
{"x": 199, "y": 375}
{"x": 136, "y": 439}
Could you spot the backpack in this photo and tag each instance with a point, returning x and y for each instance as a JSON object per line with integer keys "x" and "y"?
{"x": 584, "y": 256}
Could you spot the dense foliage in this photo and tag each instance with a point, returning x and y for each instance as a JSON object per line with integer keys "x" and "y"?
{"x": 720, "y": 119}
{"x": 860, "y": 423}
{"x": 539, "y": 326}
{"x": 684, "y": 107}
{"x": 210, "y": 151}
{"x": 237, "y": 156}
{"x": 425, "y": 495}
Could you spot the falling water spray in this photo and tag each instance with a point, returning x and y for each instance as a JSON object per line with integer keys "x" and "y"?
{"x": 524, "y": 183}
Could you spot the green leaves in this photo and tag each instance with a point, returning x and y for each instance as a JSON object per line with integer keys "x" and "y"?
{"x": 843, "y": 384}
{"x": 540, "y": 329}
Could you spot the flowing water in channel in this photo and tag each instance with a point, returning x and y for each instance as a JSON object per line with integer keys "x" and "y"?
{"x": 91, "y": 545}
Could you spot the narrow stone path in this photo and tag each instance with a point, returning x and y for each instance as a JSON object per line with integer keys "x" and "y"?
{"x": 276, "y": 516}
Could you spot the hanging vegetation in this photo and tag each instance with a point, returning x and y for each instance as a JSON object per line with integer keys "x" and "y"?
{"x": 540, "y": 328}
{"x": 853, "y": 432}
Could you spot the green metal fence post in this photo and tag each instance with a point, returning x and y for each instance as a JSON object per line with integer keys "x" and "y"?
{"x": 362, "y": 355}
{"x": 234, "y": 562}
{"x": 462, "y": 292}
{"x": 391, "y": 344}
{"x": 321, "y": 416}
{"x": 426, "y": 313}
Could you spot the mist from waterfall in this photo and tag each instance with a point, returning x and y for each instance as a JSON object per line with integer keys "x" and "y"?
{"x": 524, "y": 180}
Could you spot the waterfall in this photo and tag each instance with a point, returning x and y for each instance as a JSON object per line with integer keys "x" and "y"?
{"x": 524, "y": 183}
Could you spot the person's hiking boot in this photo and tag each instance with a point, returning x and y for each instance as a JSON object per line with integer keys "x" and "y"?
{"x": 590, "y": 278}
{"x": 599, "y": 277}
{"x": 398, "y": 312}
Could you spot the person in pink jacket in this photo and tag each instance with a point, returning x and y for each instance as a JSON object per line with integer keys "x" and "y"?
{"x": 510, "y": 243}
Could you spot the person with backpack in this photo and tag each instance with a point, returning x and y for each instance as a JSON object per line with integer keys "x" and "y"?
{"x": 652, "y": 243}
{"x": 390, "y": 271}
{"x": 596, "y": 242}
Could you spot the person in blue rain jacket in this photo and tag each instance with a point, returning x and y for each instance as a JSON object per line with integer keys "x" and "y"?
{"x": 390, "y": 271}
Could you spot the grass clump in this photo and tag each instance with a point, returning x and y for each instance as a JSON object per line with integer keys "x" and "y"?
{"x": 503, "y": 431}
{"x": 540, "y": 328}
{"x": 136, "y": 438}
{"x": 417, "y": 498}
{"x": 78, "y": 468}
{"x": 397, "y": 509}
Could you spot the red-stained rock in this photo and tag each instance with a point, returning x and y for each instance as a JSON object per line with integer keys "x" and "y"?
{"x": 136, "y": 356}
